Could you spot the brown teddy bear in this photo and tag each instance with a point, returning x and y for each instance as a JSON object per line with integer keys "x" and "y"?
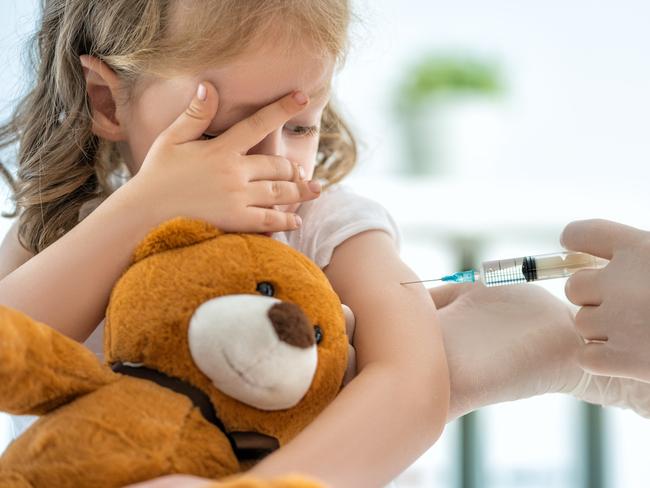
{"x": 222, "y": 348}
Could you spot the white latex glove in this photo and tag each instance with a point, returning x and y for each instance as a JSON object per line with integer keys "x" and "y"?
{"x": 615, "y": 300}
{"x": 610, "y": 391}
{"x": 505, "y": 343}
{"x": 513, "y": 342}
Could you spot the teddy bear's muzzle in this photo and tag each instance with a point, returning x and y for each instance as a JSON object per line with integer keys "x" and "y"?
{"x": 254, "y": 348}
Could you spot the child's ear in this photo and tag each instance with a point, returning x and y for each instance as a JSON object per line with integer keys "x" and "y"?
{"x": 102, "y": 87}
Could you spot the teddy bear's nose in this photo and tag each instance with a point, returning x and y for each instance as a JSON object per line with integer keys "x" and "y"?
{"x": 256, "y": 349}
{"x": 291, "y": 325}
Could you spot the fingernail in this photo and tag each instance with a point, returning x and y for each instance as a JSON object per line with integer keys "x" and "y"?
{"x": 301, "y": 172}
{"x": 300, "y": 97}
{"x": 201, "y": 92}
{"x": 297, "y": 220}
{"x": 315, "y": 186}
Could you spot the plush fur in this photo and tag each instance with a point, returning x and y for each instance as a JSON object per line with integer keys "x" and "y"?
{"x": 100, "y": 428}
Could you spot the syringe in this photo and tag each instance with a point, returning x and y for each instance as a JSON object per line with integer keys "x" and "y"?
{"x": 524, "y": 269}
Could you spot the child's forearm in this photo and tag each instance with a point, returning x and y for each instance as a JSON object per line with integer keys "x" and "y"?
{"x": 375, "y": 428}
{"x": 67, "y": 285}
{"x": 397, "y": 406}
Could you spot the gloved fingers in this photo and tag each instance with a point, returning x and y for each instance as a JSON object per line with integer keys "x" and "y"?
{"x": 590, "y": 324}
{"x": 604, "y": 360}
{"x": 583, "y": 288}
{"x": 593, "y": 357}
{"x": 598, "y": 237}
{"x": 600, "y": 359}
{"x": 349, "y": 322}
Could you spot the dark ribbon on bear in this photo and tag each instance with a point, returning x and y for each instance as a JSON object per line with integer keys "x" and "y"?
{"x": 247, "y": 446}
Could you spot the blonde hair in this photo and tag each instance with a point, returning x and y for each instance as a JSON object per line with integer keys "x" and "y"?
{"x": 62, "y": 164}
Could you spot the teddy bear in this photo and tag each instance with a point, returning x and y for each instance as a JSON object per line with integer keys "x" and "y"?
{"x": 220, "y": 348}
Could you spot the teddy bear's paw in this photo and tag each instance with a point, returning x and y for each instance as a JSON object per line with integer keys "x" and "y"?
{"x": 13, "y": 480}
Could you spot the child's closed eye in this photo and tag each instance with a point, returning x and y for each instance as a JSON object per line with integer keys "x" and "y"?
{"x": 294, "y": 130}
{"x": 302, "y": 130}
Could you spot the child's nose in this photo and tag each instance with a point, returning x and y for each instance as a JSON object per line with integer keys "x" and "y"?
{"x": 272, "y": 144}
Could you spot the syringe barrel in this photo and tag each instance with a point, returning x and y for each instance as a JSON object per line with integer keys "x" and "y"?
{"x": 534, "y": 268}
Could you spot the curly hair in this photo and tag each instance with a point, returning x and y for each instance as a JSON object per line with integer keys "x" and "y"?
{"x": 61, "y": 164}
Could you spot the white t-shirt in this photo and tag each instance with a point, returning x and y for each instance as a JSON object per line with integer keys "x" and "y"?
{"x": 328, "y": 221}
{"x": 333, "y": 218}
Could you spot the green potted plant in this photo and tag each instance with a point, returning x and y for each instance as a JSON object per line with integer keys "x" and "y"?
{"x": 429, "y": 100}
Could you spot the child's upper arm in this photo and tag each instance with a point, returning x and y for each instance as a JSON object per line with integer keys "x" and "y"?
{"x": 366, "y": 272}
{"x": 12, "y": 253}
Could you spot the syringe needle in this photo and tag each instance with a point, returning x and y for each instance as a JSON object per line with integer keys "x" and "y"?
{"x": 422, "y": 281}
{"x": 469, "y": 276}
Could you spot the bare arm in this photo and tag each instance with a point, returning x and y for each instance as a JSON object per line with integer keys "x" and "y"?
{"x": 67, "y": 286}
{"x": 397, "y": 405}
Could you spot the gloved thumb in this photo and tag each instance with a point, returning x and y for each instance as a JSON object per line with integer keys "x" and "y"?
{"x": 446, "y": 294}
{"x": 196, "y": 118}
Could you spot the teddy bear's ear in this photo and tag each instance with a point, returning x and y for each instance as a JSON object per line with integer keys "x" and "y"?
{"x": 175, "y": 233}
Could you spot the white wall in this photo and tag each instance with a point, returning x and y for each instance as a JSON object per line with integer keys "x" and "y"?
{"x": 578, "y": 74}
{"x": 16, "y": 23}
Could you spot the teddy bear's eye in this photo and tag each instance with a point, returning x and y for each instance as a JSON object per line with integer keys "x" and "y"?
{"x": 318, "y": 334}
{"x": 266, "y": 288}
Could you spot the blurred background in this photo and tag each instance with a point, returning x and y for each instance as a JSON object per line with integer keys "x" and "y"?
{"x": 485, "y": 127}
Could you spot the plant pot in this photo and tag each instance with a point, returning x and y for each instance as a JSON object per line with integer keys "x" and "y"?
{"x": 455, "y": 135}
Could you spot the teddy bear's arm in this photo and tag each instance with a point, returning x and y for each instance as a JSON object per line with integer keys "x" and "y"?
{"x": 40, "y": 368}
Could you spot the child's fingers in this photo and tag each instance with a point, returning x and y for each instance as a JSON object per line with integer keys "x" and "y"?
{"x": 349, "y": 322}
{"x": 270, "y": 220}
{"x": 270, "y": 193}
{"x": 248, "y": 132}
{"x": 261, "y": 167}
{"x": 196, "y": 118}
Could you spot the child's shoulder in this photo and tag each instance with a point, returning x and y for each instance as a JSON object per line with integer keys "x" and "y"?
{"x": 338, "y": 214}
{"x": 340, "y": 205}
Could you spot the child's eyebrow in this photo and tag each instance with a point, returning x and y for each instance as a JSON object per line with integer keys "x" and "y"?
{"x": 319, "y": 92}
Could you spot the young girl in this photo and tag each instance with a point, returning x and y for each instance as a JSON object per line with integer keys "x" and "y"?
{"x": 220, "y": 111}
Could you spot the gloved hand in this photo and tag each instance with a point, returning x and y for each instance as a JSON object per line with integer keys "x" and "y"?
{"x": 505, "y": 343}
{"x": 615, "y": 300}
{"x": 513, "y": 342}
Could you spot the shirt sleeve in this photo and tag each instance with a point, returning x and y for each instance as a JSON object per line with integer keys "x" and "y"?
{"x": 337, "y": 215}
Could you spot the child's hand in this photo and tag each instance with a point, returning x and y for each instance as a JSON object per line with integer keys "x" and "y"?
{"x": 505, "y": 343}
{"x": 175, "y": 481}
{"x": 351, "y": 370}
{"x": 215, "y": 180}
